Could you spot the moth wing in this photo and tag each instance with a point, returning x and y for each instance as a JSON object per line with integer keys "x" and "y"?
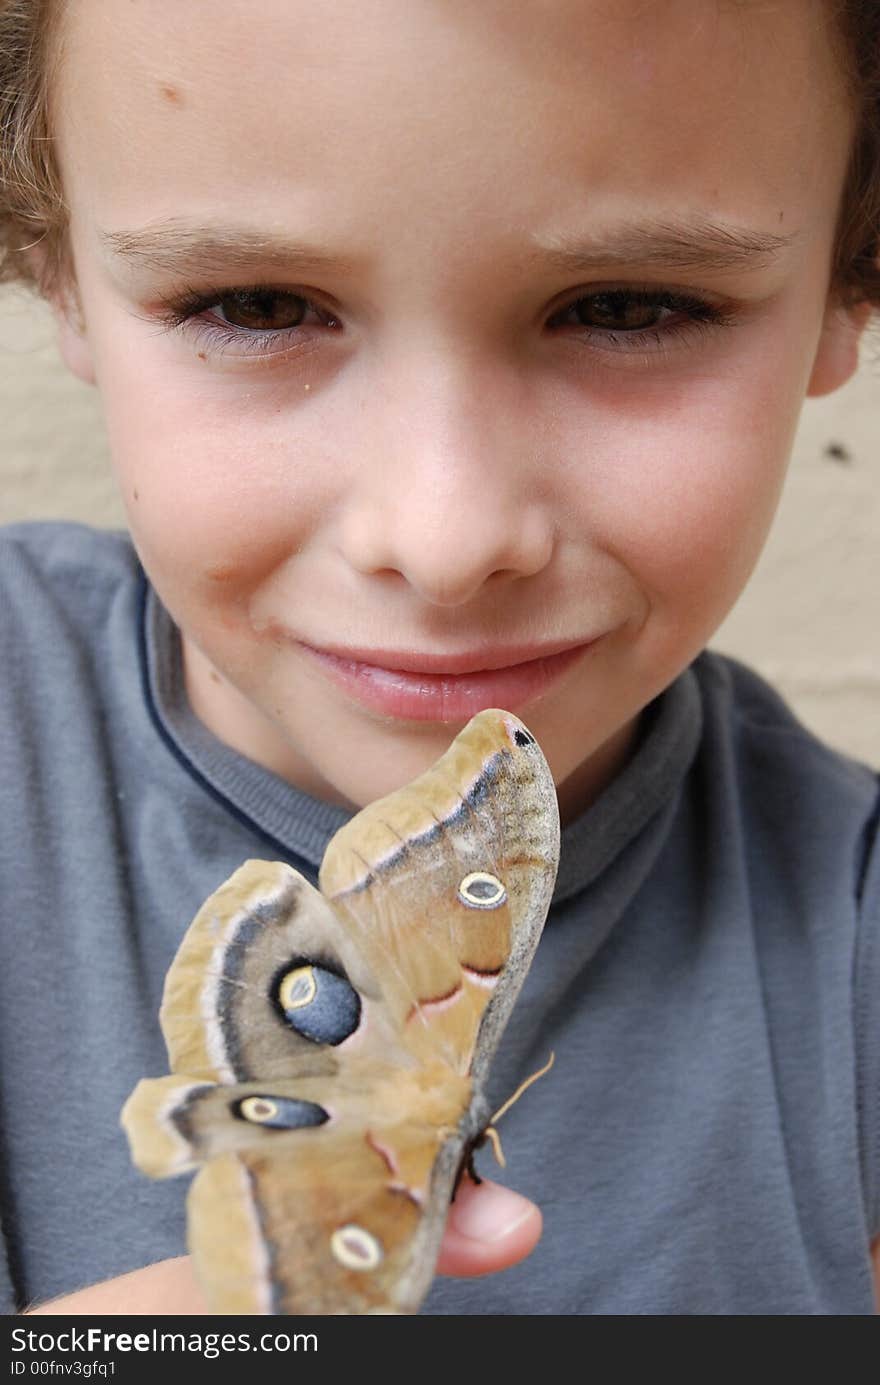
{"x": 266, "y": 983}
{"x": 305, "y": 1204}
{"x": 325, "y": 1232}
{"x": 159, "y": 1146}
{"x": 431, "y": 904}
{"x": 326, "y": 1045}
{"x": 445, "y": 885}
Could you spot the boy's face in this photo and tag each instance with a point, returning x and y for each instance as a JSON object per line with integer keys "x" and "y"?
{"x": 541, "y": 288}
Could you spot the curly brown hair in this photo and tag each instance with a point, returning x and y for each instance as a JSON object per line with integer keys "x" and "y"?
{"x": 32, "y": 207}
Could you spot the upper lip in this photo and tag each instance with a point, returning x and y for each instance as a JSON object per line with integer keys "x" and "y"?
{"x": 481, "y": 660}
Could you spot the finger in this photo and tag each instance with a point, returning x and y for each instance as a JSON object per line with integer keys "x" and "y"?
{"x": 489, "y": 1228}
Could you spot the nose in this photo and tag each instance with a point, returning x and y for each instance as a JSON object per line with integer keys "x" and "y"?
{"x": 448, "y": 490}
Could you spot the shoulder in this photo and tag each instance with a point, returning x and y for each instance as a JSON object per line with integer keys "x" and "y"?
{"x": 64, "y": 572}
{"x": 55, "y": 553}
{"x": 757, "y": 743}
{"x": 801, "y": 818}
{"x": 807, "y": 822}
{"x": 69, "y": 602}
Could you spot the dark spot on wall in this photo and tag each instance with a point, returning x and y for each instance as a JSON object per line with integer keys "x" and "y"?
{"x": 837, "y": 452}
{"x": 171, "y": 94}
{"x": 215, "y": 676}
{"x": 202, "y": 356}
{"x": 136, "y": 495}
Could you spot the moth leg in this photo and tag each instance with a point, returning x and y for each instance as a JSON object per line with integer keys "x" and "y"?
{"x": 466, "y": 1165}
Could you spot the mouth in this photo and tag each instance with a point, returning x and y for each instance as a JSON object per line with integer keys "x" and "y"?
{"x": 446, "y": 687}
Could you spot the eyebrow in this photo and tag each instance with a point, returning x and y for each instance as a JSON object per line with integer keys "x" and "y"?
{"x": 182, "y": 247}
{"x": 175, "y": 246}
{"x": 711, "y": 246}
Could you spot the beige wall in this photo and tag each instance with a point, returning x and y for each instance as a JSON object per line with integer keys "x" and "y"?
{"x": 808, "y": 621}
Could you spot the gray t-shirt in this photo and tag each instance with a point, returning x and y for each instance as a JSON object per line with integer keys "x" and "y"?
{"x": 708, "y": 1141}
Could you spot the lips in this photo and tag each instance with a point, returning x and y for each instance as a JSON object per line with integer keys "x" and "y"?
{"x": 445, "y": 687}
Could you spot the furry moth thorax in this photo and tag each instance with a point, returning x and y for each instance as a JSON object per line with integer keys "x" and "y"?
{"x": 329, "y": 1048}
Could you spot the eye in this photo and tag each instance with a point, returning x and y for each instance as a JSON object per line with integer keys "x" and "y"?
{"x": 636, "y": 317}
{"x": 318, "y": 1003}
{"x": 256, "y": 321}
{"x": 619, "y": 311}
{"x": 265, "y": 310}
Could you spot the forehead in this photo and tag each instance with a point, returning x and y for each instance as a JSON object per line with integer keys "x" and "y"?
{"x": 402, "y": 115}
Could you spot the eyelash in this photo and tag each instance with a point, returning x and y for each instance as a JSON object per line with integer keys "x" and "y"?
{"x": 182, "y": 313}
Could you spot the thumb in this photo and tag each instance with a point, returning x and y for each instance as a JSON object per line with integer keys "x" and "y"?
{"x": 489, "y": 1227}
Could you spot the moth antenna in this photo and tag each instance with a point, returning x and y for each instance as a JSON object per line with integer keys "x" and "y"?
{"x": 491, "y": 1134}
{"x": 494, "y": 1139}
{"x": 518, "y": 1093}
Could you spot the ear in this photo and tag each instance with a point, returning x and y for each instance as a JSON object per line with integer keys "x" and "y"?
{"x": 837, "y": 355}
{"x": 66, "y": 308}
{"x": 73, "y": 342}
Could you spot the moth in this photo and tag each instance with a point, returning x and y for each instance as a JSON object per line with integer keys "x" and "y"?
{"x": 329, "y": 1048}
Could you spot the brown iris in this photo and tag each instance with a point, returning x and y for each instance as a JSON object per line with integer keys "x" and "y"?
{"x": 619, "y": 311}
{"x": 264, "y": 310}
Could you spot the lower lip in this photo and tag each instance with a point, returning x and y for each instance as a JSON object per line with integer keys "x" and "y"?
{"x": 445, "y": 697}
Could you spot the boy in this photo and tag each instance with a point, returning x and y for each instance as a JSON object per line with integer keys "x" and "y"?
{"x": 450, "y": 358}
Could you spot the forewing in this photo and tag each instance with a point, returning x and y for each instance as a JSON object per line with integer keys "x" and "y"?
{"x": 412, "y": 879}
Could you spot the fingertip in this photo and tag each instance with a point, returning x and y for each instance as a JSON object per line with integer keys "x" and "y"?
{"x": 489, "y": 1228}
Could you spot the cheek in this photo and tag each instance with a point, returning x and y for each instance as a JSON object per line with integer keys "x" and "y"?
{"x": 688, "y": 487}
{"x": 219, "y": 491}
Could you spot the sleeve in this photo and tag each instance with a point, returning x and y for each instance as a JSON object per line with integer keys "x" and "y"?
{"x": 866, "y": 999}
